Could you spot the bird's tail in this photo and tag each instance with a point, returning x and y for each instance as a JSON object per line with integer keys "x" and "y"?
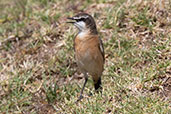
{"x": 98, "y": 86}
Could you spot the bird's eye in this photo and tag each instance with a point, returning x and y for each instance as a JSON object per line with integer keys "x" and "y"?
{"x": 81, "y": 19}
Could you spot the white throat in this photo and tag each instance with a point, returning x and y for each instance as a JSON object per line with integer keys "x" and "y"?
{"x": 83, "y": 34}
{"x": 80, "y": 25}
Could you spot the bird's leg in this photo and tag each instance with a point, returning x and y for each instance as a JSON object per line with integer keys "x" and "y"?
{"x": 86, "y": 78}
{"x": 98, "y": 86}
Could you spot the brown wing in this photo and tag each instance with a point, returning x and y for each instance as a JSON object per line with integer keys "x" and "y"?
{"x": 101, "y": 48}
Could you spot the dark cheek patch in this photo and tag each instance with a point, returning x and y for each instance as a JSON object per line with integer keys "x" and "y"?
{"x": 82, "y": 19}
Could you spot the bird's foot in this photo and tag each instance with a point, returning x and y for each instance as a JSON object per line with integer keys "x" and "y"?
{"x": 90, "y": 94}
{"x": 79, "y": 99}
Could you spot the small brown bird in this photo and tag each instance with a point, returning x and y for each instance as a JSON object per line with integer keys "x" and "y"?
{"x": 89, "y": 51}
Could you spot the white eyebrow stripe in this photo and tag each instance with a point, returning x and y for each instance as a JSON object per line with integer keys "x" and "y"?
{"x": 81, "y": 17}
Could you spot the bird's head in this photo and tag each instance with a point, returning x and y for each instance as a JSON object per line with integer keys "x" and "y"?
{"x": 84, "y": 22}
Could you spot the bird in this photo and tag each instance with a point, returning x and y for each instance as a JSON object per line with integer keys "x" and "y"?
{"x": 89, "y": 50}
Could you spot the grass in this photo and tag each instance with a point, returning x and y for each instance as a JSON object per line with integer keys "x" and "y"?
{"x": 38, "y": 72}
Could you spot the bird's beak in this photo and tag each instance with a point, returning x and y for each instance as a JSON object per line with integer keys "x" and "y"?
{"x": 71, "y": 20}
